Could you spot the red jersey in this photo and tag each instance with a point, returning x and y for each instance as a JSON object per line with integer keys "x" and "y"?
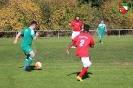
{"x": 83, "y": 40}
{"x": 76, "y": 25}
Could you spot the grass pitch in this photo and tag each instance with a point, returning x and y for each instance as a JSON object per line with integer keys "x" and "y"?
{"x": 112, "y": 64}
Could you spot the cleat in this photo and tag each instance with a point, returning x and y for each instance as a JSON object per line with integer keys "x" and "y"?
{"x": 79, "y": 79}
{"x": 101, "y": 42}
{"x": 28, "y": 68}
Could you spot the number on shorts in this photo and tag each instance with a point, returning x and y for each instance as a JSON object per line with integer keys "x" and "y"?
{"x": 82, "y": 42}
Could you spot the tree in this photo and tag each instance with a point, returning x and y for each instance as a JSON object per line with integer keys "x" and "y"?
{"x": 56, "y": 14}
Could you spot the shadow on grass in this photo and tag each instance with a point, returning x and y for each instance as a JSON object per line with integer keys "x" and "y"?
{"x": 100, "y": 43}
{"x": 32, "y": 68}
{"x": 86, "y": 75}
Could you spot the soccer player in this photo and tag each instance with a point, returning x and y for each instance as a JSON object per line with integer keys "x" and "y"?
{"x": 77, "y": 25}
{"x": 83, "y": 42}
{"x": 101, "y": 28}
{"x": 28, "y": 36}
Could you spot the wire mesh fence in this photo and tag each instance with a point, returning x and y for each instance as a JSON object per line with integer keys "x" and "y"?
{"x": 65, "y": 33}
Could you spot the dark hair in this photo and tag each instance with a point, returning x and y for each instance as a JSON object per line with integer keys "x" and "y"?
{"x": 33, "y": 22}
{"x": 86, "y": 27}
{"x": 77, "y": 16}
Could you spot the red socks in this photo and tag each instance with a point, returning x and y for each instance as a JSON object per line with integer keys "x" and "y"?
{"x": 84, "y": 69}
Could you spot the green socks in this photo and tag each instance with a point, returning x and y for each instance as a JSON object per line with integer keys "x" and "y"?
{"x": 28, "y": 62}
{"x": 100, "y": 40}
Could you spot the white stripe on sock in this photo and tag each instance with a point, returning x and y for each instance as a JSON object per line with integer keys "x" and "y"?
{"x": 30, "y": 58}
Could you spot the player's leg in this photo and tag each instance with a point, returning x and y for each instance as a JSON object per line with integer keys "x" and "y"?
{"x": 74, "y": 34}
{"x": 86, "y": 63}
{"x": 100, "y": 38}
{"x": 32, "y": 55}
{"x": 29, "y": 61}
{"x": 26, "y": 61}
{"x": 72, "y": 37}
{"x": 24, "y": 48}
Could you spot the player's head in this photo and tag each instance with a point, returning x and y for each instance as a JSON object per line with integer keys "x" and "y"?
{"x": 77, "y": 18}
{"x": 33, "y": 24}
{"x": 102, "y": 22}
{"x": 86, "y": 28}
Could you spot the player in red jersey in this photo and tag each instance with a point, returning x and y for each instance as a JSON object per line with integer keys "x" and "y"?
{"x": 83, "y": 42}
{"x": 76, "y": 27}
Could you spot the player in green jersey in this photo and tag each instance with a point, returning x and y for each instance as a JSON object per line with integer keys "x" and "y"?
{"x": 101, "y": 28}
{"x": 28, "y": 36}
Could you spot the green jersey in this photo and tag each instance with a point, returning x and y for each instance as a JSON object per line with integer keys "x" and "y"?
{"x": 101, "y": 28}
{"x": 28, "y": 35}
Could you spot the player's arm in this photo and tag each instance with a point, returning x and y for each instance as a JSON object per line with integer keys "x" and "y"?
{"x": 36, "y": 36}
{"x": 70, "y": 45}
{"x": 16, "y": 38}
{"x": 92, "y": 46}
{"x": 82, "y": 27}
{"x": 105, "y": 29}
{"x": 92, "y": 42}
{"x": 97, "y": 30}
{"x": 71, "y": 23}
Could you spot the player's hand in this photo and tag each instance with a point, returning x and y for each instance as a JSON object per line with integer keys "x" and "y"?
{"x": 15, "y": 41}
{"x": 67, "y": 52}
{"x": 37, "y": 34}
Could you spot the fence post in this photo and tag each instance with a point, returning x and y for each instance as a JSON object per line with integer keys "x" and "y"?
{"x": 119, "y": 33}
{"x": 58, "y": 34}
{"x": 16, "y": 33}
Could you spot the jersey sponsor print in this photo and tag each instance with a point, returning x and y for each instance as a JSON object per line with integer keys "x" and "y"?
{"x": 83, "y": 43}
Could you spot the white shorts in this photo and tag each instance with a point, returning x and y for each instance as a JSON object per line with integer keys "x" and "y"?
{"x": 86, "y": 61}
{"x": 74, "y": 34}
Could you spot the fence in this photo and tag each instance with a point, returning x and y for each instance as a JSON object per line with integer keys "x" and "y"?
{"x": 120, "y": 32}
{"x": 63, "y": 33}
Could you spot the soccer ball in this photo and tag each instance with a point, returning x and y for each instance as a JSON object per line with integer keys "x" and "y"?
{"x": 38, "y": 64}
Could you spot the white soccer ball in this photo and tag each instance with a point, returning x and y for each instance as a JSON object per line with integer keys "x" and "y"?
{"x": 38, "y": 64}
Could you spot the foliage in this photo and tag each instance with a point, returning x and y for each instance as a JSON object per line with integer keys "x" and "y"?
{"x": 56, "y": 14}
{"x": 113, "y": 20}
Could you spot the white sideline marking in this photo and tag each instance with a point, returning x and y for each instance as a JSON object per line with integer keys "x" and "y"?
{"x": 90, "y": 66}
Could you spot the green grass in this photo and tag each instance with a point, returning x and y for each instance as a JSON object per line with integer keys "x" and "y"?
{"x": 112, "y": 64}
